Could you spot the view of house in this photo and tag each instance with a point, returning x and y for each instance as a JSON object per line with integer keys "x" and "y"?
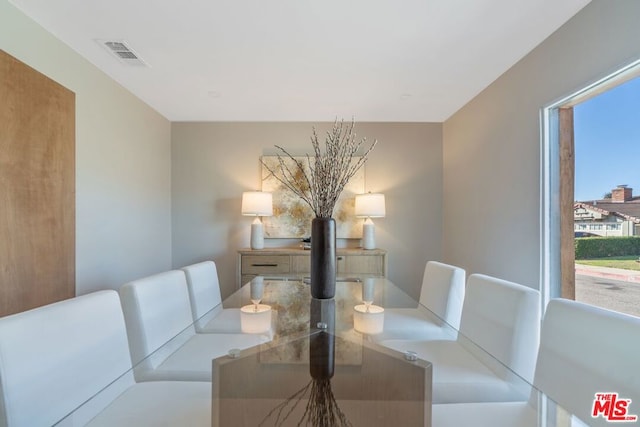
{"x": 616, "y": 216}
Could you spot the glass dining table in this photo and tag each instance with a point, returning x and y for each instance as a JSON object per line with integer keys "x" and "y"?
{"x": 319, "y": 368}
{"x": 324, "y": 366}
{"x": 321, "y": 364}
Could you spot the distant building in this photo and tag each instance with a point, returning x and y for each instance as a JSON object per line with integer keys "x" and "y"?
{"x": 617, "y": 216}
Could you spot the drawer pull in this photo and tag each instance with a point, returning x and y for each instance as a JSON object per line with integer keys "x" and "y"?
{"x": 266, "y": 264}
{"x": 340, "y": 258}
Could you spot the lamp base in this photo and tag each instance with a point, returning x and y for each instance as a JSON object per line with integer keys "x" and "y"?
{"x": 257, "y": 234}
{"x": 368, "y": 235}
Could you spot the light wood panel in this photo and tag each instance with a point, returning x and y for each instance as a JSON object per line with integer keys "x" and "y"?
{"x": 567, "y": 166}
{"x": 37, "y": 188}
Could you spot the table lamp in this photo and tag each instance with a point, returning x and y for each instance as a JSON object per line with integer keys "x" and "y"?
{"x": 368, "y": 318}
{"x": 257, "y": 203}
{"x": 255, "y": 319}
{"x": 369, "y": 205}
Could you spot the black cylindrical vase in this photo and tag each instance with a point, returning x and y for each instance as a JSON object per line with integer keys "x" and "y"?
{"x": 322, "y": 324}
{"x": 322, "y": 355}
{"x": 323, "y": 258}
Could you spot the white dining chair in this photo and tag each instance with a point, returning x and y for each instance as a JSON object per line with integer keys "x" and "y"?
{"x": 157, "y": 310}
{"x": 57, "y": 357}
{"x": 499, "y": 318}
{"x": 442, "y": 294}
{"x": 206, "y": 300}
{"x": 584, "y": 350}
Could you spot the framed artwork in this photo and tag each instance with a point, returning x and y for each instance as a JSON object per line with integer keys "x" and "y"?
{"x": 292, "y": 216}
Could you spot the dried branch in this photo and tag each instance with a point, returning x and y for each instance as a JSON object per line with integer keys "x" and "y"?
{"x": 321, "y": 409}
{"x": 328, "y": 172}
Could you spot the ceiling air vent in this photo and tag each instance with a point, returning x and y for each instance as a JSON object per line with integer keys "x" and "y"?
{"x": 124, "y": 53}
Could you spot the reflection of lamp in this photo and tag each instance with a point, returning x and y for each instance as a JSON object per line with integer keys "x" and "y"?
{"x": 368, "y": 287}
{"x": 370, "y": 205}
{"x": 257, "y": 203}
{"x": 368, "y": 319}
{"x": 255, "y": 319}
{"x": 256, "y": 290}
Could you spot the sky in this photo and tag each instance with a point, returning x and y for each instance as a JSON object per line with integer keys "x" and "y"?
{"x": 607, "y": 142}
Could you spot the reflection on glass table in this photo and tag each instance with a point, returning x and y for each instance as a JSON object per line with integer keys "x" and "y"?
{"x": 320, "y": 378}
{"x": 289, "y": 298}
{"x": 470, "y": 373}
{"x": 319, "y": 365}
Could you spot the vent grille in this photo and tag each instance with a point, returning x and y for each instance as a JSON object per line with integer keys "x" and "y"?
{"x": 123, "y": 52}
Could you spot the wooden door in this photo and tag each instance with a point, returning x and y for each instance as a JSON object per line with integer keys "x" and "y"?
{"x": 37, "y": 188}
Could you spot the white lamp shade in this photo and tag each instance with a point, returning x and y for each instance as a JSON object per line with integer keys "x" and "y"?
{"x": 255, "y": 319}
{"x": 368, "y": 320}
{"x": 370, "y": 205}
{"x": 257, "y": 203}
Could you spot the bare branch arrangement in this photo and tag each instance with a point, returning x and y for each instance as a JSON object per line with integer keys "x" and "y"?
{"x": 328, "y": 171}
{"x": 321, "y": 409}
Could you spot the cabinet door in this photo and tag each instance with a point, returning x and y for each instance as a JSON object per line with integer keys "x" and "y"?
{"x": 361, "y": 264}
{"x": 301, "y": 264}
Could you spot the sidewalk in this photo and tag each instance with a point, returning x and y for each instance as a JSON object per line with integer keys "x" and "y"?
{"x": 610, "y": 273}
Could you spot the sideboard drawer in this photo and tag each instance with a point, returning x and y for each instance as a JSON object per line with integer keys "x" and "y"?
{"x": 265, "y": 264}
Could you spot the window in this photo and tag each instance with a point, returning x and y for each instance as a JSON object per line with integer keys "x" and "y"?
{"x": 558, "y": 172}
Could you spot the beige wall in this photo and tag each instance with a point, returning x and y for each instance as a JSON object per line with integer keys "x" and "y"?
{"x": 213, "y": 163}
{"x": 491, "y": 204}
{"x": 123, "y": 187}
{"x": 474, "y": 203}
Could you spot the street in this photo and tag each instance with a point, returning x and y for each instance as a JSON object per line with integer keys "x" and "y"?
{"x": 609, "y": 293}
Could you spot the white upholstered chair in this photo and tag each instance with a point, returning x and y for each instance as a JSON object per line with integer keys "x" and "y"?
{"x": 55, "y": 358}
{"x": 206, "y": 300}
{"x": 498, "y": 317}
{"x": 442, "y": 293}
{"x": 584, "y": 350}
{"x": 157, "y": 310}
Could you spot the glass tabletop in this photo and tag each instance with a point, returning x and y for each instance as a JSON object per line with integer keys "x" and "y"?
{"x": 321, "y": 364}
{"x": 320, "y": 379}
{"x": 318, "y": 370}
{"x": 291, "y": 305}
{"x": 271, "y": 385}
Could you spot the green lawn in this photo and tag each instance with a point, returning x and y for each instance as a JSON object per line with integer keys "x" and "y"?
{"x": 624, "y": 262}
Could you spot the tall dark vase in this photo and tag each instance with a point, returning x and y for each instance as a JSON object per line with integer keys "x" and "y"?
{"x": 323, "y": 258}
{"x": 322, "y": 315}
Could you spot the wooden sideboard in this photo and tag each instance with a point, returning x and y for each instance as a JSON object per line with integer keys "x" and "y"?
{"x": 283, "y": 261}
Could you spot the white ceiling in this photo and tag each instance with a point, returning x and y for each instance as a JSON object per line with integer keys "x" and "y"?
{"x": 303, "y": 60}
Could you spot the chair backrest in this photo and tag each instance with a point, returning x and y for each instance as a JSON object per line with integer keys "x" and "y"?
{"x": 503, "y": 318}
{"x": 53, "y": 358}
{"x": 443, "y": 291}
{"x": 156, "y": 309}
{"x": 586, "y": 350}
{"x": 204, "y": 287}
